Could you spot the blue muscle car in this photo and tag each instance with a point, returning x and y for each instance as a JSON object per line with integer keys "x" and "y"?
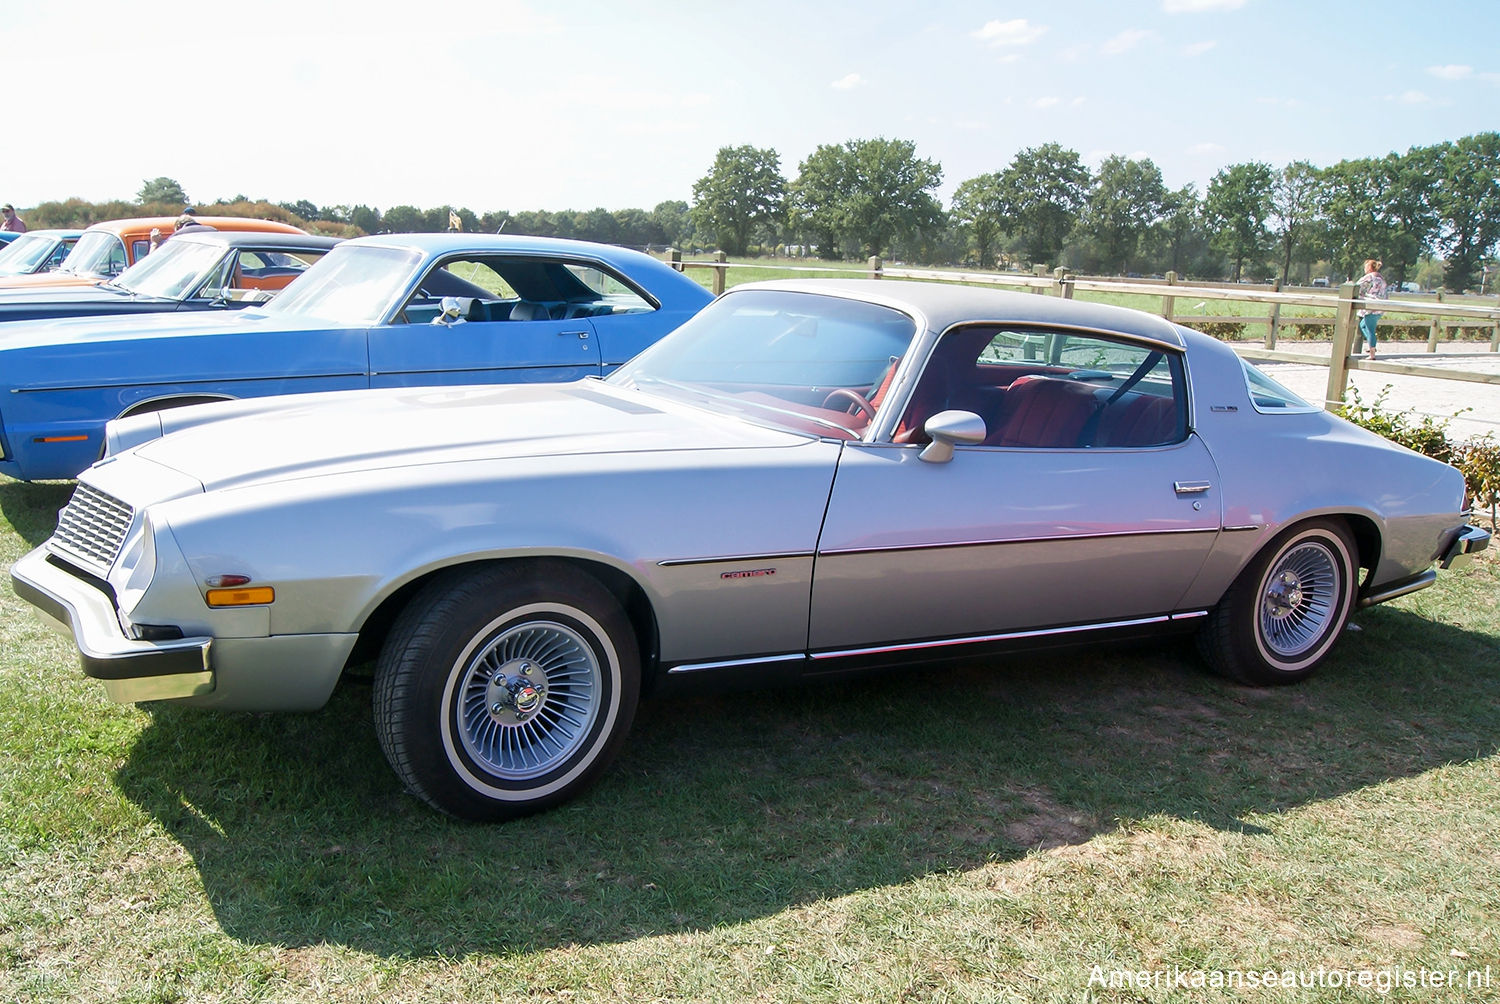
{"x": 386, "y": 311}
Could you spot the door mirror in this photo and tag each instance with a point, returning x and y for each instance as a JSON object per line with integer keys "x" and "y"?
{"x": 949, "y": 429}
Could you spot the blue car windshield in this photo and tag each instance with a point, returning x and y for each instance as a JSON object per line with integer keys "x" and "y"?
{"x": 775, "y": 356}
{"x": 26, "y": 254}
{"x": 173, "y": 271}
{"x": 352, "y": 284}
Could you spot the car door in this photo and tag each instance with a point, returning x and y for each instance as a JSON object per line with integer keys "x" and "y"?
{"x": 1016, "y": 537}
{"x": 498, "y": 335}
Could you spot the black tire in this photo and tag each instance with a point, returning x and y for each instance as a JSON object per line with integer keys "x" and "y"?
{"x": 505, "y": 690}
{"x": 1288, "y": 607}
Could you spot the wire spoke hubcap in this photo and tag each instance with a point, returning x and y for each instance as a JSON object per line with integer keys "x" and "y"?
{"x": 1300, "y": 599}
{"x": 528, "y": 699}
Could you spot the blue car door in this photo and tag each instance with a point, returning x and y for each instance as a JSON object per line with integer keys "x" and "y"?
{"x": 487, "y": 318}
{"x": 415, "y": 354}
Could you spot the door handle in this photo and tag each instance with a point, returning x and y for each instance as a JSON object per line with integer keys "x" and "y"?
{"x": 579, "y": 334}
{"x": 1190, "y": 487}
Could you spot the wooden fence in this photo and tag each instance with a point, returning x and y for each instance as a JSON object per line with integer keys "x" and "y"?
{"x": 1342, "y": 304}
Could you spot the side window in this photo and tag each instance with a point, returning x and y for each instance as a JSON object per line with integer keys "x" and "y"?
{"x": 613, "y": 296}
{"x": 1043, "y": 389}
{"x": 138, "y": 250}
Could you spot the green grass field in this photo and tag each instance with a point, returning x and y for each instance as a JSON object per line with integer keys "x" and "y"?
{"x": 1024, "y": 829}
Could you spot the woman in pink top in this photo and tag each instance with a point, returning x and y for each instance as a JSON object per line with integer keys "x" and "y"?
{"x": 1371, "y": 287}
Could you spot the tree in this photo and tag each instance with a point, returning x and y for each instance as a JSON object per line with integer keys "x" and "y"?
{"x": 673, "y": 223}
{"x": 1127, "y": 198}
{"x": 743, "y": 192}
{"x": 1237, "y": 206}
{"x": 1467, "y": 206}
{"x": 1041, "y": 194}
{"x": 976, "y": 211}
{"x": 304, "y": 209}
{"x": 1295, "y": 196}
{"x": 868, "y": 192}
{"x": 1179, "y": 238}
{"x": 162, "y": 190}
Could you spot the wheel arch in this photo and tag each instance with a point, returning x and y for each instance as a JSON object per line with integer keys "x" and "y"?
{"x": 625, "y": 589}
{"x": 165, "y": 401}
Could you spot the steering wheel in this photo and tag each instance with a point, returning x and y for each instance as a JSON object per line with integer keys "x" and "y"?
{"x": 857, "y": 402}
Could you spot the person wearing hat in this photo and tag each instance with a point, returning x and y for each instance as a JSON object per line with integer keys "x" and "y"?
{"x": 12, "y": 222}
{"x": 185, "y": 224}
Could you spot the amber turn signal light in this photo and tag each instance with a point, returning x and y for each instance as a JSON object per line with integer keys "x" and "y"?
{"x": 253, "y": 596}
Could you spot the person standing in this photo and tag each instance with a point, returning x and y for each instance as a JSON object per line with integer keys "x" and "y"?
{"x": 1371, "y": 287}
{"x": 12, "y": 222}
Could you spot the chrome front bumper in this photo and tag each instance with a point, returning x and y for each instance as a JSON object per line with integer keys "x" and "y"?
{"x": 130, "y": 669}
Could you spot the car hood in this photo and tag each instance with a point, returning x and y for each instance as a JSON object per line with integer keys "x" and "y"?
{"x": 126, "y": 327}
{"x": 241, "y": 443}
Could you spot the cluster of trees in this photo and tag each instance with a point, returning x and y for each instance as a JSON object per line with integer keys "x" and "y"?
{"x": 876, "y": 197}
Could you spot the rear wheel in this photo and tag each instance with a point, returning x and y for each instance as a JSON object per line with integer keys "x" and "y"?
{"x": 506, "y": 690}
{"x": 1283, "y": 614}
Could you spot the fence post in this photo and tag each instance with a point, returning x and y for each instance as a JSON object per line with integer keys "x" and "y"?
{"x": 1039, "y": 271}
{"x": 1495, "y": 335}
{"x": 1344, "y": 333}
{"x": 876, "y": 266}
{"x": 1435, "y": 327}
{"x": 674, "y": 258}
{"x": 1275, "y": 317}
{"x": 1169, "y": 303}
{"x": 720, "y": 272}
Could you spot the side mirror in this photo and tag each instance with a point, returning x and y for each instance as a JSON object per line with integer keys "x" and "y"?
{"x": 949, "y": 429}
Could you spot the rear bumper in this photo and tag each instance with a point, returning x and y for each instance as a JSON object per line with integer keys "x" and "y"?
{"x": 1469, "y": 540}
{"x": 131, "y": 669}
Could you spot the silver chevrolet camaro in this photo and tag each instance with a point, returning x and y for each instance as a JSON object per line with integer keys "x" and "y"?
{"x": 807, "y": 478}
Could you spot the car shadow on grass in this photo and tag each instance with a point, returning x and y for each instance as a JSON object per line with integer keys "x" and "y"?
{"x": 728, "y": 809}
{"x": 31, "y": 508}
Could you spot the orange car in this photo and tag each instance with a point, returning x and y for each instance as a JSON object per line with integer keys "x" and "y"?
{"x": 107, "y": 249}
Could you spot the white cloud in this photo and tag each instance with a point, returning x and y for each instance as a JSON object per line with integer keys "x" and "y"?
{"x": 848, "y": 83}
{"x": 1206, "y": 149}
{"x": 1018, "y": 31}
{"x": 1198, "y": 48}
{"x": 1410, "y": 98}
{"x": 1125, "y": 41}
{"x": 1046, "y": 102}
{"x": 1197, "y": 6}
{"x": 1077, "y": 101}
{"x": 1453, "y": 71}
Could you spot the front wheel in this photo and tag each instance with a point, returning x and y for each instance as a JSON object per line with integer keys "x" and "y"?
{"x": 506, "y": 690}
{"x": 1287, "y": 608}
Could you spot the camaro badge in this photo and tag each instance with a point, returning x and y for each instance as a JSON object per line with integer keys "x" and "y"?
{"x": 748, "y": 573}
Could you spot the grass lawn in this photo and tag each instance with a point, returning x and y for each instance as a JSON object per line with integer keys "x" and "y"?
{"x": 1024, "y": 830}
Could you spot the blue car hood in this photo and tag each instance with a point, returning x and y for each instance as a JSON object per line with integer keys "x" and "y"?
{"x": 128, "y": 327}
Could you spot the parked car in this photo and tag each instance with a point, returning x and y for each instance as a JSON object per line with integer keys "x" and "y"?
{"x": 371, "y": 313}
{"x": 107, "y": 249}
{"x": 804, "y": 479}
{"x": 201, "y": 271}
{"x": 37, "y": 251}
{"x": 6, "y": 236}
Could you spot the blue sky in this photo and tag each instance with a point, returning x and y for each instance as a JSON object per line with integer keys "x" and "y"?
{"x": 512, "y": 104}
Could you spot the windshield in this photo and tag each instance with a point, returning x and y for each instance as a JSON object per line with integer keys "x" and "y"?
{"x": 351, "y": 284}
{"x": 173, "y": 270}
{"x": 96, "y": 253}
{"x": 799, "y": 361}
{"x": 26, "y": 254}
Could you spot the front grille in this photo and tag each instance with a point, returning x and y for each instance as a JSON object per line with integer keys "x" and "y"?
{"x": 92, "y": 527}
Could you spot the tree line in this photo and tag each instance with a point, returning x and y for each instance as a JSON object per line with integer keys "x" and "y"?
{"x": 1435, "y": 204}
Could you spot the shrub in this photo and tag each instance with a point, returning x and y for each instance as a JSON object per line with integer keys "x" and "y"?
{"x": 1224, "y": 331}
